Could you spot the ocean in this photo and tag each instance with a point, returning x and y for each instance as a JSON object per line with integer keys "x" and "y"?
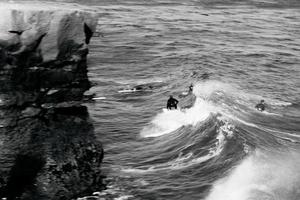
{"x": 216, "y": 146}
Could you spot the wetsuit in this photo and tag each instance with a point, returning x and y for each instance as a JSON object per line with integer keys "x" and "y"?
{"x": 191, "y": 88}
{"x": 172, "y": 103}
{"x": 260, "y": 106}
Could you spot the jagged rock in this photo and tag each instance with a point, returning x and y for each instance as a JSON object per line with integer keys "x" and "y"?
{"x": 48, "y": 149}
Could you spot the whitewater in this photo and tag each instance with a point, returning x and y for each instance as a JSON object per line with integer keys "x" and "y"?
{"x": 217, "y": 146}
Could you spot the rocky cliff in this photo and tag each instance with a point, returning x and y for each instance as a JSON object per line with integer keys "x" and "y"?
{"x": 47, "y": 143}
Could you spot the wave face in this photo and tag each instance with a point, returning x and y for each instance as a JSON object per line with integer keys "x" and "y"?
{"x": 217, "y": 146}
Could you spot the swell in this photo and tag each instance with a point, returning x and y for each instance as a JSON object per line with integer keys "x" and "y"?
{"x": 216, "y": 130}
{"x": 193, "y": 135}
{"x": 196, "y": 133}
{"x": 184, "y": 147}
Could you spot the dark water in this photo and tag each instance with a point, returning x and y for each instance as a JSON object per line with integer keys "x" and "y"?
{"x": 217, "y": 147}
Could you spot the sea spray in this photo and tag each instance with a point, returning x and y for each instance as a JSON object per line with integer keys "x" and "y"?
{"x": 262, "y": 175}
{"x": 171, "y": 120}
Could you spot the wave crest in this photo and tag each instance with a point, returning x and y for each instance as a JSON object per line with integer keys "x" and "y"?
{"x": 171, "y": 120}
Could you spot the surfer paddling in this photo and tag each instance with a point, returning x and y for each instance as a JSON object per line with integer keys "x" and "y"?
{"x": 172, "y": 102}
{"x": 261, "y": 106}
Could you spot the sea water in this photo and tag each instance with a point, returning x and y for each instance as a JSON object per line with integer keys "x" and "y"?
{"x": 217, "y": 146}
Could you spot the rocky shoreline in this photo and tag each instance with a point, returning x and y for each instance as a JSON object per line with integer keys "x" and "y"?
{"x": 48, "y": 148}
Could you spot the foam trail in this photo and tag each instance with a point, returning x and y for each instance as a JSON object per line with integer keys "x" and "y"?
{"x": 275, "y": 102}
{"x": 261, "y": 176}
{"x": 99, "y": 98}
{"x": 139, "y": 81}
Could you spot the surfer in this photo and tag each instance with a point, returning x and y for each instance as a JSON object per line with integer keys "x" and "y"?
{"x": 191, "y": 88}
{"x": 172, "y": 102}
{"x": 261, "y": 106}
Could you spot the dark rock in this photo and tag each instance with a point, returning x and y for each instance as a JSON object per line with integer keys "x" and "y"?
{"x": 48, "y": 145}
{"x": 88, "y": 33}
{"x": 31, "y": 112}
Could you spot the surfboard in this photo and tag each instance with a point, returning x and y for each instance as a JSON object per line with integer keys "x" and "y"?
{"x": 172, "y": 110}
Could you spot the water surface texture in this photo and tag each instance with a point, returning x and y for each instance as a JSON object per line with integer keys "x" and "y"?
{"x": 217, "y": 146}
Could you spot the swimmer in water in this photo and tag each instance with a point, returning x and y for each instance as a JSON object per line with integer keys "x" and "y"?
{"x": 261, "y": 106}
{"x": 191, "y": 88}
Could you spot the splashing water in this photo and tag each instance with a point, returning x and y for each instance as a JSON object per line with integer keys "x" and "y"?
{"x": 169, "y": 121}
{"x": 264, "y": 176}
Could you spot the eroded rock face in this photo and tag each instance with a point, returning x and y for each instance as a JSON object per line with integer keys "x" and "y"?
{"x": 48, "y": 148}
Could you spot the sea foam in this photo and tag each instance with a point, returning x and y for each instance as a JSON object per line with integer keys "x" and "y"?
{"x": 262, "y": 175}
{"x": 171, "y": 120}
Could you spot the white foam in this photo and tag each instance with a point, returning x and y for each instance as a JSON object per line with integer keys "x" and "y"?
{"x": 261, "y": 176}
{"x": 227, "y": 129}
{"x": 278, "y": 102}
{"x": 125, "y": 197}
{"x": 128, "y": 91}
{"x": 137, "y": 81}
{"x": 169, "y": 121}
{"x": 270, "y": 113}
{"x": 99, "y": 98}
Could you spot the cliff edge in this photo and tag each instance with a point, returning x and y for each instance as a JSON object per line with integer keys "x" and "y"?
{"x": 48, "y": 148}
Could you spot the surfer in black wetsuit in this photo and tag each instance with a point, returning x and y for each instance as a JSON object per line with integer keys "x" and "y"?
{"x": 261, "y": 106}
{"x": 191, "y": 88}
{"x": 172, "y": 102}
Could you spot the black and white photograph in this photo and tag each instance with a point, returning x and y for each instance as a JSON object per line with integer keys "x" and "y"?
{"x": 149, "y": 99}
